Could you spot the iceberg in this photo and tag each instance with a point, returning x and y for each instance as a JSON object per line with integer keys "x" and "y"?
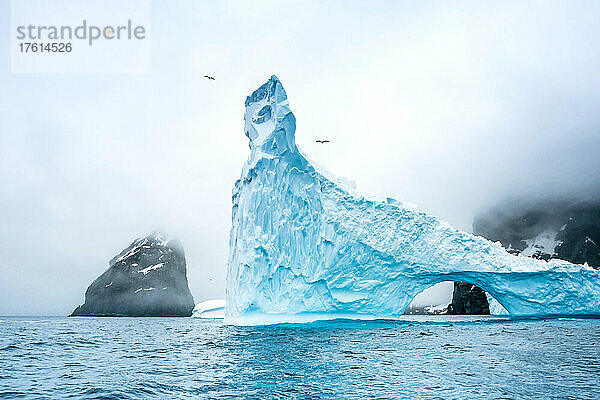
{"x": 210, "y": 309}
{"x": 305, "y": 245}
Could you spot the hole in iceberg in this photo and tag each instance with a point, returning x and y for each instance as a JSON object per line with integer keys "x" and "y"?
{"x": 454, "y": 298}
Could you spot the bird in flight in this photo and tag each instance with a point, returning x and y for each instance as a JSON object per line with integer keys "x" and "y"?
{"x": 322, "y": 141}
{"x": 209, "y": 77}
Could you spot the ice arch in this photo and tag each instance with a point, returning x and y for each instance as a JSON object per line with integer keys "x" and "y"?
{"x": 443, "y": 298}
{"x": 438, "y": 299}
{"x": 304, "y": 245}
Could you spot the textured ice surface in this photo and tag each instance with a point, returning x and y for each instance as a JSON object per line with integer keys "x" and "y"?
{"x": 305, "y": 246}
{"x": 495, "y": 307}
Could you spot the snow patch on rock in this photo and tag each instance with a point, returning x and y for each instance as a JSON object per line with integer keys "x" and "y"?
{"x": 150, "y": 268}
{"x": 141, "y": 289}
{"x": 544, "y": 243}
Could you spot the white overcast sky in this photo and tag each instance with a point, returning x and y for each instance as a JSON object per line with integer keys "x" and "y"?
{"x": 452, "y": 106}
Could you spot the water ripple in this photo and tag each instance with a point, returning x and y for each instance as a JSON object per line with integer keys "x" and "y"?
{"x": 156, "y": 358}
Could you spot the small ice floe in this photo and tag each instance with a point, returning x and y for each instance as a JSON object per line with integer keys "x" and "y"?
{"x": 210, "y": 309}
{"x": 150, "y": 268}
{"x": 440, "y": 309}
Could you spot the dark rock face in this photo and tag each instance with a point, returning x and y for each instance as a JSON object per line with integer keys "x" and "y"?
{"x": 468, "y": 299}
{"x": 148, "y": 278}
{"x": 545, "y": 230}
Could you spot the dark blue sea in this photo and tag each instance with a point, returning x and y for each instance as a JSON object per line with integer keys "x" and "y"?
{"x": 182, "y": 358}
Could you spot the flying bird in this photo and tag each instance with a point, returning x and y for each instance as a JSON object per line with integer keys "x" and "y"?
{"x": 209, "y": 77}
{"x": 322, "y": 141}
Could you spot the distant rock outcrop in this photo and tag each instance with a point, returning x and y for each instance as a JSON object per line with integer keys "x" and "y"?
{"x": 148, "y": 278}
{"x": 544, "y": 230}
{"x": 468, "y": 299}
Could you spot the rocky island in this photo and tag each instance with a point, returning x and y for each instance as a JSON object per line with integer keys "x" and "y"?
{"x": 148, "y": 278}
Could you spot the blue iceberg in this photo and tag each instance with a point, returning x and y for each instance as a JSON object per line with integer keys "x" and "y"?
{"x": 304, "y": 245}
{"x": 210, "y": 309}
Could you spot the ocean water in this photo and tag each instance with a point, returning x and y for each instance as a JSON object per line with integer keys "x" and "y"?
{"x": 435, "y": 357}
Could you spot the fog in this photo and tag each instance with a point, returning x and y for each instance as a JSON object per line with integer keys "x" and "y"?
{"x": 453, "y": 107}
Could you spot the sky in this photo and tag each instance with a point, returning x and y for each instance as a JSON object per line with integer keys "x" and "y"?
{"x": 452, "y": 106}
